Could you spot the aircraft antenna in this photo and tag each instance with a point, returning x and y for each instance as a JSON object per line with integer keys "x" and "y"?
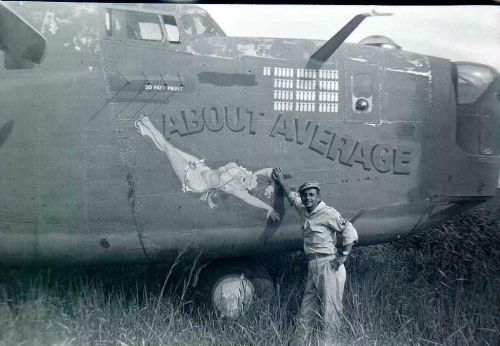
{"x": 326, "y": 51}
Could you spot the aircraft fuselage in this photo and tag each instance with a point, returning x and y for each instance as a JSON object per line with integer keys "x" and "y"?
{"x": 80, "y": 184}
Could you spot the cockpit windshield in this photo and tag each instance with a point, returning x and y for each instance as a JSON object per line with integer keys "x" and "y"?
{"x": 473, "y": 80}
{"x": 200, "y": 24}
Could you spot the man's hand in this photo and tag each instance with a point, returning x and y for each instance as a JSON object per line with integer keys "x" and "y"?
{"x": 278, "y": 175}
{"x": 273, "y": 215}
{"x": 337, "y": 262}
{"x": 341, "y": 256}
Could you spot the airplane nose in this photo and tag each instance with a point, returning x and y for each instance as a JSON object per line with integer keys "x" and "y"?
{"x": 478, "y": 109}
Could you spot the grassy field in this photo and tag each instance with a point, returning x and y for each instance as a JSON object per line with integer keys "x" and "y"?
{"x": 442, "y": 287}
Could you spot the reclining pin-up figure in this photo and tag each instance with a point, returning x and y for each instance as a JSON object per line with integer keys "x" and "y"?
{"x": 196, "y": 176}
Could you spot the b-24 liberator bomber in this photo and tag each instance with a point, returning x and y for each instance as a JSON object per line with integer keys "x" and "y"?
{"x": 130, "y": 134}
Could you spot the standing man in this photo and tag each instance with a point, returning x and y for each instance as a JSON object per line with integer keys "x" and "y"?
{"x": 326, "y": 276}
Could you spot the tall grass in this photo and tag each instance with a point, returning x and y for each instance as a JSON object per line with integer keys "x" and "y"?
{"x": 441, "y": 287}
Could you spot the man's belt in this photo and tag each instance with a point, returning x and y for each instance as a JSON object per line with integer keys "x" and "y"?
{"x": 313, "y": 256}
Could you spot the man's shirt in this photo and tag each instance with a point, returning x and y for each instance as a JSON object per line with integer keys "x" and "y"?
{"x": 321, "y": 227}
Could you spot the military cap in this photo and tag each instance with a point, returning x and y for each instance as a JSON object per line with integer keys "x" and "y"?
{"x": 308, "y": 185}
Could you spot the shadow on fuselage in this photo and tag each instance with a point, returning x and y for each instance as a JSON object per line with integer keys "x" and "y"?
{"x": 5, "y": 131}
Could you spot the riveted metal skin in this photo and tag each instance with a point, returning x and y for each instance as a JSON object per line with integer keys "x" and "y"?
{"x": 82, "y": 181}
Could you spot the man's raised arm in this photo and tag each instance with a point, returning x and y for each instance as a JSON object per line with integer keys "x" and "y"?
{"x": 279, "y": 178}
{"x": 292, "y": 196}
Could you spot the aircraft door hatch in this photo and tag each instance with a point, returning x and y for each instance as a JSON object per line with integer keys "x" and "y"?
{"x": 140, "y": 78}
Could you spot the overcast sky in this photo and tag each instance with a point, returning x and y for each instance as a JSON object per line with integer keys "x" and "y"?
{"x": 459, "y": 33}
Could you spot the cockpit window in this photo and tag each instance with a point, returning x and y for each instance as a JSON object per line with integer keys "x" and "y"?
{"x": 200, "y": 24}
{"x": 473, "y": 79}
{"x": 144, "y": 26}
{"x": 171, "y": 28}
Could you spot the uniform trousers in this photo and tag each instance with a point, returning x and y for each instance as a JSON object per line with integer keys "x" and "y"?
{"x": 322, "y": 300}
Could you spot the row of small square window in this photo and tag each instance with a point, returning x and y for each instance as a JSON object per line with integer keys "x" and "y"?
{"x": 312, "y": 74}
{"x": 306, "y": 107}
{"x": 284, "y": 94}
{"x": 283, "y": 106}
{"x": 305, "y": 96}
{"x": 283, "y": 83}
{"x": 304, "y": 73}
{"x": 283, "y": 72}
{"x": 328, "y": 85}
{"x": 305, "y": 84}
{"x": 301, "y": 73}
{"x": 328, "y": 74}
{"x": 328, "y": 107}
{"x": 299, "y": 106}
{"x": 328, "y": 97}
{"x": 299, "y": 95}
